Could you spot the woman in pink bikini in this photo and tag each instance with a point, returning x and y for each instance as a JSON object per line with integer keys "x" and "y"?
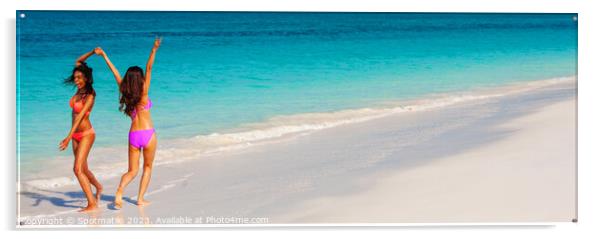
{"x": 81, "y": 131}
{"x": 135, "y": 103}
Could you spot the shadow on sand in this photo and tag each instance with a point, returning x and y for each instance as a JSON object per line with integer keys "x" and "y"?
{"x": 74, "y": 199}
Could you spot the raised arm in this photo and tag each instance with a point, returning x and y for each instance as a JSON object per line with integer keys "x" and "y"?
{"x": 78, "y": 119}
{"x": 83, "y": 57}
{"x": 149, "y": 65}
{"x": 116, "y": 74}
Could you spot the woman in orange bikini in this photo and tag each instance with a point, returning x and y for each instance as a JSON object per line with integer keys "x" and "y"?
{"x": 81, "y": 131}
{"x": 135, "y": 103}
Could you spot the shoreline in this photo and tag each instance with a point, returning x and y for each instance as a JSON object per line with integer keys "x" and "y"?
{"x": 273, "y": 129}
{"x": 508, "y": 180}
{"x": 277, "y": 178}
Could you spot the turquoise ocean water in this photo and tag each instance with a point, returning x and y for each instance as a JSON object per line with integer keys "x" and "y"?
{"x": 218, "y": 71}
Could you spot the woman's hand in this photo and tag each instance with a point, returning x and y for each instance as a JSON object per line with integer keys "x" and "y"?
{"x": 63, "y": 145}
{"x": 99, "y": 51}
{"x": 157, "y": 43}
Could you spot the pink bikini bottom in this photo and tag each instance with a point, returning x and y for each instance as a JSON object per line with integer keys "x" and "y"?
{"x": 140, "y": 138}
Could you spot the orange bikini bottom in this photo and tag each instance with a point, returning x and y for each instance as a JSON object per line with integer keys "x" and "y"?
{"x": 77, "y": 136}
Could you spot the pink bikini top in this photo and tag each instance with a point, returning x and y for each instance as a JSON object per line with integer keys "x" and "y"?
{"x": 77, "y": 106}
{"x": 148, "y": 105}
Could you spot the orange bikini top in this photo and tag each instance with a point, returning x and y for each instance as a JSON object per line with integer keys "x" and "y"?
{"x": 77, "y": 106}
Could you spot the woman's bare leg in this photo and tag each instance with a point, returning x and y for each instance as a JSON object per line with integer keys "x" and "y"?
{"x": 81, "y": 154}
{"x": 93, "y": 180}
{"x": 133, "y": 155}
{"x": 89, "y": 174}
{"x": 149, "y": 157}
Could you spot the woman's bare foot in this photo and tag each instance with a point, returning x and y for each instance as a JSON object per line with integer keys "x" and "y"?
{"x": 98, "y": 193}
{"x": 89, "y": 208}
{"x": 142, "y": 202}
{"x": 118, "y": 200}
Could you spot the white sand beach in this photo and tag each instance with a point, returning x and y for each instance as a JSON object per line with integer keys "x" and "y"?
{"x": 508, "y": 158}
{"x": 514, "y": 179}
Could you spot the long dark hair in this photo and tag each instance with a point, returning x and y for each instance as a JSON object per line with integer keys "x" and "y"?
{"x": 87, "y": 72}
{"x": 130, "y": 90}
